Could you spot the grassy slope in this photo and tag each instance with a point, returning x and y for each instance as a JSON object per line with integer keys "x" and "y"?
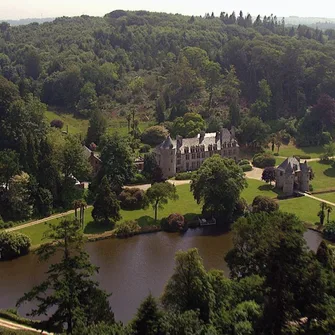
{"x": 291, "y": 150}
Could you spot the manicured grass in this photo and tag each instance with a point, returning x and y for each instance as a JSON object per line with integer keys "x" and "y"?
{"x": 324, "y": 176}
{"x": 305, "y": 208}
{"x": 292, "y": 150}
{"x": 76, "y": 126}
{"x": 327, "y": 196}
{"x": 186, "y": 205}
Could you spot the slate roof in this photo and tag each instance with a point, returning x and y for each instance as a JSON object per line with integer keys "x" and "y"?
{"x": 88, "y": 152}
{"x": 292, "y": 164}
{"x": 209, "y": 138}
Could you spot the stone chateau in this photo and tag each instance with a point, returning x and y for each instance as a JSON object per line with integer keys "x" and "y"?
{"x": 292, "y": 175}
{"x": 187, "y": 154}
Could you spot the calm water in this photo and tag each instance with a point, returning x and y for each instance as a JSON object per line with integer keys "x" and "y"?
{"x": 129, "y": 268}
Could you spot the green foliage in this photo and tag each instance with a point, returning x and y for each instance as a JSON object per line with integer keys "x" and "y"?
{"x": 189, "y": 277}
{"x": 132, "y": 199}
{"x": 106, "y": 207}
{"x": 151, "y": 169}
{"x": 184, "y": 175}
{"x": 329, "y": 230}
{"x": 263, "y": 160}
{"x": 127, "y": 229}
{"x": 264, "y": 204}
{"x": 13, "y": 245}
{"x": 148, "y": 318}
{"x": 269, "y": 173}
{"x": 189, "y": 125}
{"x": 159, "y": 194}
{"x": 68, "y": 289}
{"x": 97, "y": 128}
{"x": 253, "y": 132}
{"x": 329, "y": 152}
{"x": 217, "y": 185}
{"x": 9, "y": 166}
{"x": 246, "y": 167}
{"x": 154, "y": 135}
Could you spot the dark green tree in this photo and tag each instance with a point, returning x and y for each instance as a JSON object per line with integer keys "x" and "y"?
{"x": 68, "y": 293}
{"x": 106, "y": 207}
{"x": 97, "y": 128}
{"x": 217, "y": 185}
{"x": 9, "y": 166}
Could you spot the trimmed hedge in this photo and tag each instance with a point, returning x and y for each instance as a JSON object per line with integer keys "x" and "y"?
{"x": 243, "y": 162}
{"x": 184, "y": 175}
{"x": 13, "y": 245}
{"x": 246, "y": 168}
{"x": 263, "y": 160}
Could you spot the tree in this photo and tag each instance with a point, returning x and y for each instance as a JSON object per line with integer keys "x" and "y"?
{"x": 324, "y": 110}
{"x": 159, "y": 194}
{"x": 151, "y": 169}
{"x": 117, "y": 160}
{"x": 81, "y": 205}
{"x": 253, "y": 132}
{"x": 68, "y": 288}
{"x": 190, "y": 125}
{"x": 148, "y": 318}
{"x": 325, "y": 255}
{"x": 74, "y": 161}
{"x": 9, "y": 166}
{"x": 106, "y": 207}
{"x": 261, "y": 108}
{"x": 13, "y": 245}
{"x": 97, "y": 128}
{"x": 87, "y": 100}
{"x": 269, "y": 174}
{"x": 160, "y": 109}
{"x": 264, "y": 204}
{"x": 218, "y": 184}
{"x": 321, "y": 213}
{"x": 275, "y": 240}
{"x": 154, "y": 135}
{"x": 329, "y": 152}
{"x": 189, "y": 287}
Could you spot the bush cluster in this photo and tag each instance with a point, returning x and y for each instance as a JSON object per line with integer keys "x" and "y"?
{"x": 5, "y": 225}
{"x": 57, "y": 124}
{"x": 184, "y": 175}
{"x": 246, "y": 167}
{"x": 174, "y": 223}
{"x": 127, "y": 229}
{"x": 138, "y": 179}
{"x": 263, "y": 160}
{"x": 264, "y": 204}
{"x": 133, "y": 198}
{"x": 13, "y": 245}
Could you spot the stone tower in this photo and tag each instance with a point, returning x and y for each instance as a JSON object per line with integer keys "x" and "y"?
{"x": 288, "y": 187}
{"x": 166, "y": 158}
{"x": 304, "y": 177}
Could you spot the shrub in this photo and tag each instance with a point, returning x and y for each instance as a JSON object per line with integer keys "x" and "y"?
{"x": 13, "y": 245}
{"x": 311, "y": 188}
{"x": 174, "y": 223}
{"x": 263, "y": 160}
{"x": 133, "y": 198}
{"x": 246, "y": 168}
{"x": 276, "y": 154}
{"x": 243, "y": 162}
{"x": 127, "y": 229}
{"x": 264, "y": 204}
{"x": 286, "y": 138}
{"x": 154, "y": 135}
{"x": 329, "y": 230}
{"x": 184, "y": 175}
{"x": 138, "y": 179}
{"x": 145, "y": 148}
{"x": 6, "y": 225}
{"x": 57, "y": 124}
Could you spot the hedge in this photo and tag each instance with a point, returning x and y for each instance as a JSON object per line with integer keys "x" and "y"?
{"x": 263, "y": 160}
{"x": 246, "y": 168}
{"x": 184, "y": 175}
{"x": 127, "y": 229}
{"x": 13, "y": 245}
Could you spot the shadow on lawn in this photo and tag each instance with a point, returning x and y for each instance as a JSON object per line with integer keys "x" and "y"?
{"x": 268, "y": 188}
{"x": 96, "y": 228}
{"x": 330, "y": 172}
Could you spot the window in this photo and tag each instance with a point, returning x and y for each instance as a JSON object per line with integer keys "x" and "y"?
{"x": 193, "y": 156}
{"x": 178, "y": 154}
{"x": 178, "y": 161}
{"x": 171, "y": 160}
{"x": 187, "y": 166}
{"x": 224, "y": 152}
{"x": 229, "y": 152}
{"x": 198, "y": 164}
{"x": 187, "y": 157}
{"x": 281, "y": 173}
{"x": 198, "y": 155}
{"x": 193, "y": 165}
{"x": 203, "y": 155}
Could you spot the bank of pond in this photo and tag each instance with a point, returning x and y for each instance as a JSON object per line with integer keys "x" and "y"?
{"x": 129, "y": 268}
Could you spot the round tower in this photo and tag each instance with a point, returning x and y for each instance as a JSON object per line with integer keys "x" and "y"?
{"x": 167, "y": 159}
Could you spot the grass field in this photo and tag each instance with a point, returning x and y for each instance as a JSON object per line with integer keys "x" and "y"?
{"x": 324, "y": 176}
{"x": 186, "y": 206}
{"x": 292, "y": 150}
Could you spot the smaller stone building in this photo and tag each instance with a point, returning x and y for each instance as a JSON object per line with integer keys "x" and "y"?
{"x": 93, "y": 159}
{"x": 292, "y": 175}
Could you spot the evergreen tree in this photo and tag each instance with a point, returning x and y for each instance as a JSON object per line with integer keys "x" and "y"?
{"x": 148, "y": 317}
{"x": 97, "y": 128}
{"x": 68, "y": 293}
{"x": 106, "y": 207}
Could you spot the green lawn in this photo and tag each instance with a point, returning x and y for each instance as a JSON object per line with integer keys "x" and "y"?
{"x": 305, "y": 208}
{"x": 327, "y": 196}
{"x": 292, "y": 150}
{"x": 186, "y": 205}
{"x": 324, "y": 176}
{"x": 76, "y": 126}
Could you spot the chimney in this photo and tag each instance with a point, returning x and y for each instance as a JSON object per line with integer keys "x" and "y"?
{"x": 233, "y": 132}
{"x": 217, "y": 136}
{"x": 202, "y": 136}
{"x": 179, "y": 142}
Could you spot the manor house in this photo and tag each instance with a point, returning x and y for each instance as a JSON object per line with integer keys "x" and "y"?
{"x": 291, "y": 175}
{"x": 187, "y": 154}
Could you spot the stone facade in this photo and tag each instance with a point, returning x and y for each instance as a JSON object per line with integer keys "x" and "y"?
{"x": 291, "y": 175}
{"x": 188, "y": 154}
{"x": 93, "y": 159}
